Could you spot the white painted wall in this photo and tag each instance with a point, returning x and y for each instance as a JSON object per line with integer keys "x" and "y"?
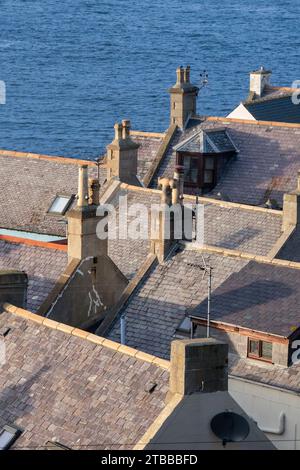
{"x": 241, "y": 113}
{"x": 265, "y": 404}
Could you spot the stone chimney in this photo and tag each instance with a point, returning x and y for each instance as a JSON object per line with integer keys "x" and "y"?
{"x": 183, "y": 98}
{"x": 122, "y": 155}
{"x": 82, "y": 220}
{"x": 178, "y": 185}
{"x": 198, "y": 365}
{"x": 258, "y": 80}
{"x": 163, "y": 228}
{"x": 13, "y": 288}
{"x": 291, "y": 207}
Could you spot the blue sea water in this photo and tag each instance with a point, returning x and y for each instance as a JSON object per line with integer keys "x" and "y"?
{"x": 74, "y": 67}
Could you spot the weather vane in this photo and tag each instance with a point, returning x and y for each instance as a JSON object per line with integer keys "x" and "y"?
{"x": 203, "y": 79}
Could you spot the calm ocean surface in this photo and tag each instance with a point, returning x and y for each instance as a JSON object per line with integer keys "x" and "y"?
{"x": 74, "y": 67}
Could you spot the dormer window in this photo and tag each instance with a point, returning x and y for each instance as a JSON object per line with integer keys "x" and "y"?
{"x": 203, "y": 156}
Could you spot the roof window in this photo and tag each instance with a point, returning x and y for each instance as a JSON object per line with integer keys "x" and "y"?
{"x": 8, "y": 435}
{"x": 60, "y": 205}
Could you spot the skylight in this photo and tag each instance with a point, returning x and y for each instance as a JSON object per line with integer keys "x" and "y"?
{"x": 8, "y": 435}
{"x": 60, "y": 205}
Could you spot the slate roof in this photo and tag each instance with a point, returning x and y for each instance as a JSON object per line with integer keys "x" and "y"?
{"x": 278, "y": 109}
{"x": 29, "y": 185}
{"x": 149, "y": 146}
{"x": 42, "y": 265}
{"x": 287, "y": 378}
{"x": 213, "y": 141}
{"x": 241, "y": 229}
{"x": 261, "y": 297}
{"x": 167, "y": 295}
{"x": 265, "y": 167}
{"x": 225, "y": 225}
{"x": 291, "y": 249}
{"x": 129, "y": 254}
{"x": 84, "y": 395}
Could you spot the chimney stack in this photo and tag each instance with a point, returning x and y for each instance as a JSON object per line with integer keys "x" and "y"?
{"x": 198, "y": 365}
{"x": 167, "y": 222}
{"x": 122, "y": 155}
{"x": 183, "y": 97}
{"x": 291, "y": 207}
{"x": 83, "y": 220}
{"x": 258, "y": 81}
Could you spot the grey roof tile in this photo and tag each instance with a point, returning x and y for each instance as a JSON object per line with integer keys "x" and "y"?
{"x": 168, "y": 293}
{"x": 276, "y": 108}
{"x": 261, "y": 297}
{"x": 29, "y": 186}
{"x": 266, "y": 165}
{"x": 283, "y": 377}
{"x": 84, "y": 395}
{"x": 42, "y": 265}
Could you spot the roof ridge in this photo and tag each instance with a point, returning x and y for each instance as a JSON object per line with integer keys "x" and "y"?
{"x": 267, "y": 98}
{"x": 37, "y": 156}
{"x": 209, "y": 200}
{"x": 250, "y": 256}
{"x": 253, "y": 122}
{"x": 148, "y": 134}
{"x": 99, "y": 340}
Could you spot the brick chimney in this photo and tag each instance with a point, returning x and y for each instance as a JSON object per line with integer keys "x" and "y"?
{"x": 82, "y": 220}
{"x": 198, "y": 365}
{"x": 258, "y": 80}
{"x": 122, "y": 155}
{"x": 183, "y": 98}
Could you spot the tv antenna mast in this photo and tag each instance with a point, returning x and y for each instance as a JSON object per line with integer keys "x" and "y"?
{"x": 207, "y": 270}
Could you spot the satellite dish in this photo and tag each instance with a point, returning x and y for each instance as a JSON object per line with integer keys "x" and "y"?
{"x": 230, "y": 427}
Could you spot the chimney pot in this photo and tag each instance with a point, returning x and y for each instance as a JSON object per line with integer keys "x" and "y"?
{"x": 187, "y": 72}
{"x": 94, "y": 191}
{"x": 126, "y": 128}
{"x": 166, "y": 190}
{"x": 180, "y": 75}
{"x": 118, "y": 131}
{"x": 83, "y": 192}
